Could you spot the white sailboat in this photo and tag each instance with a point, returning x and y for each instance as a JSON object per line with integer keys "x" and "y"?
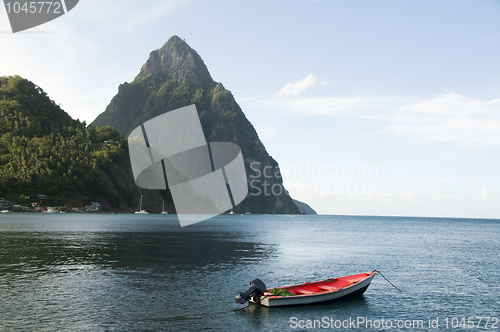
{"x": 139, "y": 209}
{"x": 163, "y": 208}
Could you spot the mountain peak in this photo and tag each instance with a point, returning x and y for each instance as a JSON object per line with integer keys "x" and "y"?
{"x": 177, "y": 60}
{"x": 175, "y": 76}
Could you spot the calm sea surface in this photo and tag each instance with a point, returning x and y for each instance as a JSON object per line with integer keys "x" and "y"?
{"x": 97, "y": 272}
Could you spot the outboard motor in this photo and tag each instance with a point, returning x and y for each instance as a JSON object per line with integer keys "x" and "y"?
{"x": 257, "y": 288}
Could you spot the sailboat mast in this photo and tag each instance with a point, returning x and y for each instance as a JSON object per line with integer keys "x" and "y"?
{"x": 139, "y": 208}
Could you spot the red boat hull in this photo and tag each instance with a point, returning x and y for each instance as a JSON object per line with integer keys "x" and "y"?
{"x": 319, "y": 291}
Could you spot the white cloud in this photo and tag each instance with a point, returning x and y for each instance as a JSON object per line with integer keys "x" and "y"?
{"x": 407, "y": 195}
{"x": 485, "y": 193}
{"x": 78, "y": 58}
{"x": 446, "y": 118}
{"x": 449, "y": 117}
{"x": 380, "y": 201}
{"x": 295, "y": 89}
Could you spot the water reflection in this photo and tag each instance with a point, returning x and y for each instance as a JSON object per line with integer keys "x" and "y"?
{"x": 161, "y": 252}
{"x": 96, "y": 280}
{"x": 262, "y": 318}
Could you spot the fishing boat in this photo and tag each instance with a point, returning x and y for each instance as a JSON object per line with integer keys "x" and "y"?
{"x": 308, "y": 292}
{"x": 163, "y": 208}
{"x": 140, "y": 210}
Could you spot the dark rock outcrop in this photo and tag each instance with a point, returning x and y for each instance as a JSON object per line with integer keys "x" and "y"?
{"x": 175, "y": 76}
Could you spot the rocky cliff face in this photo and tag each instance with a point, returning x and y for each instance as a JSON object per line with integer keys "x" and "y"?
{"x": 304, "y": 208}
{"x": 175, "y": 76}
{"x": 177, "y": 60}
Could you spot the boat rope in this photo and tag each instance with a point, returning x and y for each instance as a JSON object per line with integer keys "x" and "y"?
{"x": 378, "y": 272}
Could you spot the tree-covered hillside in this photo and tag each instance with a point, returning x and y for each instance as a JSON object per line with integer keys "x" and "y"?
{"x": 43, "y": 151}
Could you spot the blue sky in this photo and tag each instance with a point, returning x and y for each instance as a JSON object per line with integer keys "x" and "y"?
{"x": 370, "y": 107}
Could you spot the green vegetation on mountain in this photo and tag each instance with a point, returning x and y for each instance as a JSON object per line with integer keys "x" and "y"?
{"x": 175, "y": 76}
{"x": 43, "y": 151}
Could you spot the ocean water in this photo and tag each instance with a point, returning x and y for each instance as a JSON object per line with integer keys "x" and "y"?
{"x": 126, "y": 272}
